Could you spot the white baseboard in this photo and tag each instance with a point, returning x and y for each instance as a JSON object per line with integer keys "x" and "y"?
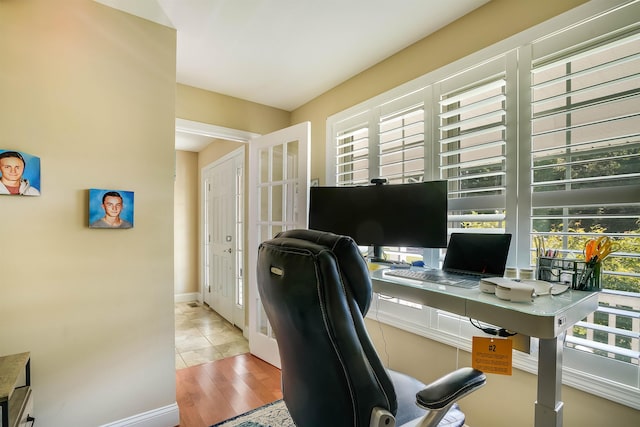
{"x": 167, "y": 416}
{"x": 191, "y": 296}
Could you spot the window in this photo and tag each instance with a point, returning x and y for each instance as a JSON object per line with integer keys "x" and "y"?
{"x": 351, "y": 156}
{"x": 537, "y": 136}
{"x": 585, "y": 172}
{"x": 401, "y": 145}
{"x": 471, "y": 143}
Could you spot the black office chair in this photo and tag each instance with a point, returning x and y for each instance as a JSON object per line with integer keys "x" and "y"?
{"x": 315, "y": 288}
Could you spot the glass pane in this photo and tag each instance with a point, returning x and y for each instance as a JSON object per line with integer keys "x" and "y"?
{"x": 473, "y": 135}
{"x": 585, "y": 119}
{"x": 263, "y": 204}
{"x": 278, "y": 164}
{"x": 290, "y": 201}
{"x": 292, "y": 160}
{"x": 276, "y": 204}
{"x": 567, "y": 229}
{"x": 263, "y": 165}
{"x": 264, "y": 233}
{"x": 401, "y": 146}
{"x": 352, "y": 156}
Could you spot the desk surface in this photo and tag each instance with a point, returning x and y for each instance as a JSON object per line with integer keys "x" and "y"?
{"x": 546, "y": 317}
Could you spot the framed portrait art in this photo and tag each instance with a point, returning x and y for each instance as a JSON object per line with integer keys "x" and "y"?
{"x": 19, "y": 173}
{"x": 110, "y": 208}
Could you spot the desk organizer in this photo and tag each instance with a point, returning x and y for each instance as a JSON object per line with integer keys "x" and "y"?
{"x": 574, "y": 272}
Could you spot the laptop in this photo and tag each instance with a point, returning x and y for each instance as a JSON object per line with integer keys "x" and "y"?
{"x": 469, "y": 258}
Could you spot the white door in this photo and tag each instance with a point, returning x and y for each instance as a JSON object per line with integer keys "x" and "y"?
{"x": 278, "y": 200}
{"x": 223, "y": 186}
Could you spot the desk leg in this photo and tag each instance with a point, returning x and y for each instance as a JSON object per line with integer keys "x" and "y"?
{"x": 549, "y": 404}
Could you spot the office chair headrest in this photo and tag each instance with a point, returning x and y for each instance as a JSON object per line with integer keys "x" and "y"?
{"x": 350, "y": 261}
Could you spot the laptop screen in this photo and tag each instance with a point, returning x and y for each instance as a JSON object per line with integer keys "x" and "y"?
{"x": 482, "y": 254}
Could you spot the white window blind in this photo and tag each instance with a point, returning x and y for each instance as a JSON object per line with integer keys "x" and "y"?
{"x": 472, "y": 139}
{"x": 472, "y": 133}
{"x": 585, "y": 179}
{"x": 586, "y": 120}
{"x": 352, "y": 155}
{"x": 472, "y": 150}
{"x": 401, "y": 156}
{"x": 401, "y": 145}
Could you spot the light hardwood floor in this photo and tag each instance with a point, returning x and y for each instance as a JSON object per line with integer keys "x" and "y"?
{"x": 216, "y": 377}
{"x": 215, "y": 391}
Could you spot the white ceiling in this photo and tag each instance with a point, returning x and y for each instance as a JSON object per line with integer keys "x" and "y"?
{"x": 187, "y": 141}
{"x": 284, "y": 53}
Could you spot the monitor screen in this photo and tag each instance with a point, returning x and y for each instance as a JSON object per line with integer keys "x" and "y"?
{"x": 413, "y": 215}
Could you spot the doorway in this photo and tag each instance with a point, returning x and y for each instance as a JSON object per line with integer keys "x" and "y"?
{"x": 284, "y": 157}
{"x": 223, "y": 236}
{"x": 195, "y": 137}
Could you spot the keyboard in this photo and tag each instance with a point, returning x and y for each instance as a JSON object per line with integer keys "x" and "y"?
{"x": 427, "y": 276}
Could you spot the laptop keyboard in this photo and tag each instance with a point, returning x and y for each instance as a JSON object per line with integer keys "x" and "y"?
{"x": 426, "y": 276}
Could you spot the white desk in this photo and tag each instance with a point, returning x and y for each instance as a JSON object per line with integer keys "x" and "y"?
{"x": 547, "y": 318}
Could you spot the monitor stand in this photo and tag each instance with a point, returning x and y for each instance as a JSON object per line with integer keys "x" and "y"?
{"x": 378, "y": 255}
{"x": 378, "y": 258}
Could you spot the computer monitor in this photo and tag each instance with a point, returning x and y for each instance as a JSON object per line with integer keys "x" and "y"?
{"x": 412, "y": 215}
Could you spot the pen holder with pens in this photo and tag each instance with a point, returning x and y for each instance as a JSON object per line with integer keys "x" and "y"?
{"x": 576, "y": 273}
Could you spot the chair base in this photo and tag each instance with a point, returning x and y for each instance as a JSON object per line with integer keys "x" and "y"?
{"x": 447, "y": 417}
{"x": 451, "y": 416}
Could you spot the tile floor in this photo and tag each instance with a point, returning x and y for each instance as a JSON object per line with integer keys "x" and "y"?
{"x": 202, "y": 335}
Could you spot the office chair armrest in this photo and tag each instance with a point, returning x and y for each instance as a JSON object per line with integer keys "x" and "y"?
{"x": 446, "y": 390}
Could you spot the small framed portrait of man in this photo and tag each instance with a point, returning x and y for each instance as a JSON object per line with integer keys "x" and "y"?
{"x": 110, "y": 208}
{"x": 19, "y": 173}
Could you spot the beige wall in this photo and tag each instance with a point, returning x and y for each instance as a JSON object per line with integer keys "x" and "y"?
{"x": 186, "y": 259}
{"x": 91, "y": 91}
{"x": 221, "y": 110}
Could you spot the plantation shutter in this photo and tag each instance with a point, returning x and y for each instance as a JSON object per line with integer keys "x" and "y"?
{"x": 401, "y": 143}
{"x": 585, "y": 163}
{"x": 352, "y": 153}
{"x": 472, "y": 131}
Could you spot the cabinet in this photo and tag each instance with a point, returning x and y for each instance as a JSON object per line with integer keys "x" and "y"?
{"x": 16, "y": 403}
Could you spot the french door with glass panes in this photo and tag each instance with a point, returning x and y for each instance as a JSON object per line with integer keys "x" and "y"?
{"x": 278, "y": 200}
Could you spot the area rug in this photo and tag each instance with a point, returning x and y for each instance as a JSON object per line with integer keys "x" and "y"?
{"x": 272, "y": 415}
